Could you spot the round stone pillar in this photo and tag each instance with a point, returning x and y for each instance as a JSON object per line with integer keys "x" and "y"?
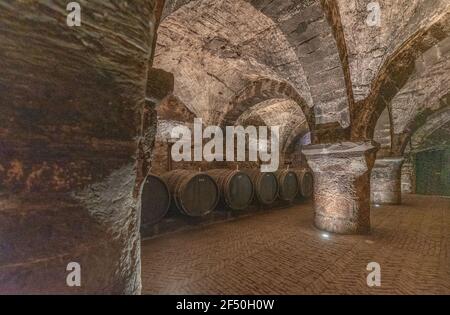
{"x": 342, "y": 185}
{"x": 72, "y": 102}
{"x": 385, "y": 185}
{"x": 408, "y": 181}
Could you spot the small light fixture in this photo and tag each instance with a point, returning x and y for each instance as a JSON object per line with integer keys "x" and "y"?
{"x": 377, "y": 205}
{"x": 326, "y": 235}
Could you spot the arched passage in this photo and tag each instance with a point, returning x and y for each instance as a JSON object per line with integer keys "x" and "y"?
{"x": 432, "y": 124}
{"x": 284, "y": 113}
{"x": 263, "y": 90}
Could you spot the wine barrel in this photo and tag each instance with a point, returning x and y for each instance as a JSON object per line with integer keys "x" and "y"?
{"x": 195, "y": 193}
{"x": 306, "y": 183}
{"x": 264, "y": 184}
{"x": 155, "y": 200}
{"x": 236, "y": 187}
{"x": 289, "y": 184}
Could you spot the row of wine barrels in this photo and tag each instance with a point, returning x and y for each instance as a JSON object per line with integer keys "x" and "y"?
{"x": 289, "y": 184}
{"x": 236, "y": 188}
{"x": 305, "y": 180}
{"x": 264, "y": 184}
{"x": 194, "y": 193}
{"x": 197, "y": 194}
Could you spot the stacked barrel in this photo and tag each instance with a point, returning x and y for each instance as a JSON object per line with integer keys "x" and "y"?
{"x": 196, "y": 194}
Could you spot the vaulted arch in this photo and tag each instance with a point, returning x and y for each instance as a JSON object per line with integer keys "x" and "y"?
{"x": 433, "y": 123}
{"x": 260, "y": 91}
{"x": 291, "y": 42}
{"x": 397, "y": 69}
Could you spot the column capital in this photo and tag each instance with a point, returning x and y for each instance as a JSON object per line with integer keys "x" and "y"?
{"x": 391, "y": 160}
{"x": 344, "y": 157}
{"x": 341, "y": 149}
{"x": 341, "y": 185}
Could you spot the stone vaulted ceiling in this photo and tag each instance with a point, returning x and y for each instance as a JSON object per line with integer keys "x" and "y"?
{"x": 370, "y": 47}
{"x": 278, "y": 112}
{"x": 229, "y": 56}
{"x": 218, "y": 48}
{"x": 424, "y": 90}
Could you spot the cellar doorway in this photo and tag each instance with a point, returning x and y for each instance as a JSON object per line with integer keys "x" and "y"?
{"x": 433, "y": 172}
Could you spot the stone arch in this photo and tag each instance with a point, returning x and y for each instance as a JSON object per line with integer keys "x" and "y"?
{"x": 284, "y": 113}
{"x": 296, "y": 133}
{"x": 395, "y": 72}
{"x": 429, "y": 116}
{"x": 313, "y": 45}
{"x": 383, "y": 133}
{"x": 262, "y": 90}
{"x": 434, "y": 122}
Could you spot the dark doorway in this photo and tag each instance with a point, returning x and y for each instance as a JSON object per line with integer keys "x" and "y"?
{"x": 433, "y": 172}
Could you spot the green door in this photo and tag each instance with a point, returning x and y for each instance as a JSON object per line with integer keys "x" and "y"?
{"x": 433, "y": 172}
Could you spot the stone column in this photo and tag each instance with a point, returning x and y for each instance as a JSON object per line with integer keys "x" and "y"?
{"x": 72, "y": 102}
{"x": 408, "y": 177}
{"x": 342, "y": 185}
{"x": 385, "y": 185}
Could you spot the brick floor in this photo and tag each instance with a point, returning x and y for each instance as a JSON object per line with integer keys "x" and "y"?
{"x": 280, "y": 252}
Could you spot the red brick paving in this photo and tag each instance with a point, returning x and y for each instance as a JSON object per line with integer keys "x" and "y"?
{"x": 280, "y": 252}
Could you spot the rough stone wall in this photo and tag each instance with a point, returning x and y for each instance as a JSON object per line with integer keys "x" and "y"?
{"x": 71, "y": 103}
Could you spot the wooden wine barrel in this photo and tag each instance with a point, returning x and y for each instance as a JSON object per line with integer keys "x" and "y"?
{"x": 265, "y": 185}
{"x": 155, "y": 200}
{"x": 236, "y": 187}
{"x": 195, "y": 193}
{"x": 306, "y": 183}
{"x": 288, "y": 184}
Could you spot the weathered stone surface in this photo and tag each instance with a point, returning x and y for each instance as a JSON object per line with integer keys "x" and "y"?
{"x": 385, "y": 183}
{"x": 277, "y": 112}
{"x": 81, "y": 109}
{"x": 382, "y": 134}
{"x": 399, "y": 68}
{"x": 423, "y": 91}
{"x": 293, "y": 40}
{"x": 72, "y": 101}
{"x": 408, "y": 176}
{"x": 159, "y": 84}
{"x": 370, "y": 46}
{"x": 342, "y": 185}
{"x": 434, "y": 131}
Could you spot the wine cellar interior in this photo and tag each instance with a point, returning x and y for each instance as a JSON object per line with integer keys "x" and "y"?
{"x": 359, "y": 92}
